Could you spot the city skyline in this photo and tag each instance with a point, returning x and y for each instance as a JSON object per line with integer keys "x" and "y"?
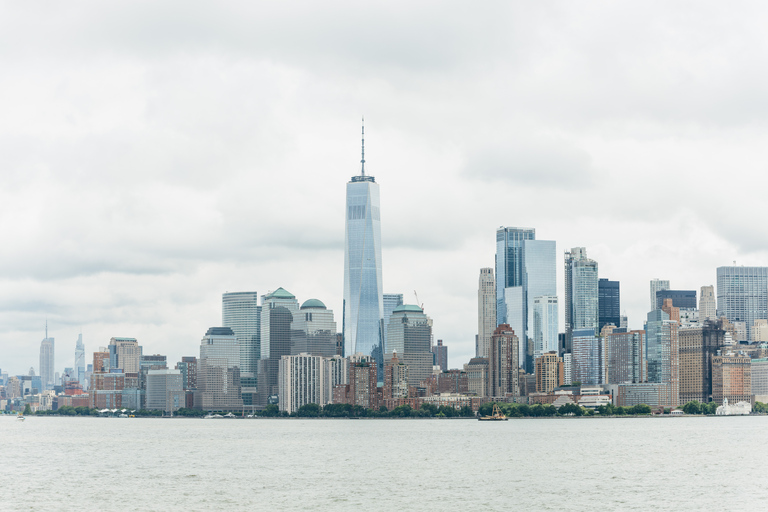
{"x": 138, "y": 192}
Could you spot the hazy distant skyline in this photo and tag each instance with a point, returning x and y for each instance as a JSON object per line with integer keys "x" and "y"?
{"x": 158, "y": 154}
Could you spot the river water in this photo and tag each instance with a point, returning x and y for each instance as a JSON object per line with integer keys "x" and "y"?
{"x": 689, "y": 463}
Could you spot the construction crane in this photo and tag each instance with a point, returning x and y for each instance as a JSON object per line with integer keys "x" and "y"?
{"x": 418, "y": 303}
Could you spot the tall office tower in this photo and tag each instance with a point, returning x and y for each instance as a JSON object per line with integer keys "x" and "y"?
{"x": 440, "y": 355}
{"x": 587, "y": 357}
{"x": 240, "y": 311}
{"x": 165, "y": 390}
{"x": 625, "y": 357}
{"x": 47, "y": 361}
{"x": 363, "y": 320}
{"x": 477, "y": 376}
{"x": 657, "y": 285}
{"x": 683, "y": 299}
{"x": 391, "y": 301}
{"x": 608, "y": 303}
{"x": 581, "y": 293}
{"x": 707, "y": 304}
{"x": 278, "y": 309}
{"x": 549, "y": 372}
{"x": 742, "y": 294}
{"x": 125, "y": 354}
{"x": 698, "y": 345}
{"x": 503, "y": 363}
{"x": 731, "y": 378}
{"x": 663, "y": 351}
{"x": 545, "y": 325}
{"x": 525, "y": 269}
{"x": 301, "y": 382}
{"x": 218, "y": 371}
{"x": 410, "y": 335}
{"x": 79, "y": 368}
{"x": 188, "y": 368}
{"x": 486, "y": 311}
{"x": 313, "y": 330}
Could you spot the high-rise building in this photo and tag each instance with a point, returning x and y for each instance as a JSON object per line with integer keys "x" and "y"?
{"x": 625, "y": 357}
{"x": 313, "y": 330}
{"x": 241, "y": 312}
{"x": 47, "y": 361}
{"x": 164, "y": 390}
{"x": 125, "y": 354}
{"x": 707, "y": 304}
{"x": 218, "y": 371}
{"x": 477, "y": 376}
{"x": 663, "y": 350}
{"x": 608, "y": 303}
{"x": 391, "y": 301}
{"x": 525, "y": 269}
{"x": 363, "y": 320}
{"x": 486, "y": 311}
{"x": 503, "y": 363}
{"x": 79, "y": 368}
{"x": 278, "y": 309}
{"x": 301, "y": 382}
{"x": 188, "y": 368}
{"x": 362, "y": 383}
{"x": 742, "y": 294}
{"x": 581, "y": 293}
{"x": 656, "y": 286}
{"x": 545, "y": 325}
{"x": 587, "y": 357}
{"x": 698, "y": 345}
{"x": 410, "y": 335}
{"x": 683, "y": 299}
{"x": 395, "y": 379}
{"x": 440, "y": 355}
{"x": 549, "y": 372}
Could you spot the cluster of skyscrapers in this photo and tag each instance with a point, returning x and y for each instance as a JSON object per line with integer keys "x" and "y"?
{"x": 272, "y": 349}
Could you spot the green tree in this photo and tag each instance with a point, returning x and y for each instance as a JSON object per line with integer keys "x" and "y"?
{"x": 570, "y": 409}
{"x": 692, "y": 407}
{"x": 308, "y": 411}
{"x": 27, "y": 410}
{"x": 429, "y": 409}
{"x": 641, "y": 409}
{"x": 486, "y": 409}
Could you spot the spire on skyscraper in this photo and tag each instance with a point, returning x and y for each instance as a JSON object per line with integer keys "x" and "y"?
{"x": 362, "y": 160}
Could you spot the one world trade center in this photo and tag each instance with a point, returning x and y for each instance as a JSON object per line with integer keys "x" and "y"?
{"x": 363, "y": 324}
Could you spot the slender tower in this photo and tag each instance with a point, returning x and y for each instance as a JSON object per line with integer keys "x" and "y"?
{"x": 363, "y": 324}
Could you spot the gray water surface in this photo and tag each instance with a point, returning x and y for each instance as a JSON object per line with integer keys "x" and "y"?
{"x": 691, "y": 463}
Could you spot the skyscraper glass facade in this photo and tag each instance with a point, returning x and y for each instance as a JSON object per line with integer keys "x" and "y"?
{"x": 545, "y": 325}
{"x": 391, "y": 301}
{"x": 742, "y": 294}
{"x": 609, "y": 303}
{"x": 509, "y": 264}
{"x": 581, "y": 292}
{"x": 363, "y": 320}
{"x": 241, "y": 312}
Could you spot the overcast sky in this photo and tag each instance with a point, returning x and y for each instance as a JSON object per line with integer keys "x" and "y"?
{"x": 156, "y": 154}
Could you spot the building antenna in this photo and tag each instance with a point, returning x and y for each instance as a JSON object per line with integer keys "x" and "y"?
{"x": 46, "y": 328}
{"x": 362, "y": 161}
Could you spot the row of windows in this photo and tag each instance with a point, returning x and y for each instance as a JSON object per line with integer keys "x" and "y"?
{"x": 357, "y": 212}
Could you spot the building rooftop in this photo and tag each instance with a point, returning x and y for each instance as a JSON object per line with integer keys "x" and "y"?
{"x": 313, "y": 303}
{"x": 280, "y": 293}
{"x": 408, "y": 307}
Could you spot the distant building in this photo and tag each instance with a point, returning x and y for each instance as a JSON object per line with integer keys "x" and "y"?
{"x": 410, "y": 335}
{"x": 486, "y": 311}
{"x": 440, "y": 353}
{"x": 395, "y": 379}
{"x": 698, "y": 345}
{"x": 731, "y": 378}
{"x": 567, "y": 369}
{"x": 477, "y": 376}
{"x": 278, "y": 310}
{"x": 79, "y": 367}
{"x": 47, "y": 362}
{"x": 625, "y": 357}
{"x": 683, "y": 299}
{"x": 581, "y": 293}
{"x": 656, "y": 286}
{"x": 549, "y": 372}
{"x": 165, "y": 390}
{"x": 742, "y": 294}
{"x": 218, "y": 371}
{"x": 391, "y": 301}
{"x": 125, "y": 354}
{"x": 503, "y": 363}
{"x": 663, "y": 349}
{"x": 301, "y": 382}
{"x": 759, "y": 376}
{"x": 545, "y": 325}
{"x": 608, "y": 303}
{"x": 653, "y": 394}
{"x": 240, "y": 311}
{"x": 587, "y": 357}
{"x": 707, "y": 304}
{"x": 361, "y": 388}
{"x": 313, "y": 330}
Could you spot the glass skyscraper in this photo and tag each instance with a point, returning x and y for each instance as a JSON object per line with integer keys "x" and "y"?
{"x": 742, "y": 294}
{"x": 525, "y": 269}
{"x": 581, "y": 293}
{"x": 241, "y": 312}
{"x": 363, "y": 317}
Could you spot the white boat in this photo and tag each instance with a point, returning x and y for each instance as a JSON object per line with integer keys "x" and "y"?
{"x": 20, "y": 418}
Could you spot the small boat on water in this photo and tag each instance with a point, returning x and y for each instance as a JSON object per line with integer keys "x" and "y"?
{"x": 20, "y": 418}
{"x": 496, "y": 415}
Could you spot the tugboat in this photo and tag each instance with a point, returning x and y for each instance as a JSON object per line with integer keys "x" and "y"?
{"x": 497, "y": 415}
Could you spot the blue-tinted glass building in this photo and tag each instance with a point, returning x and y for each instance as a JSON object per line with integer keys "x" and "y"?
{"x": 608, "y": 303}
{"x": 742, "y": 294}
{"x": 363, "y": 316}
{"x": 685, "y": 299}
